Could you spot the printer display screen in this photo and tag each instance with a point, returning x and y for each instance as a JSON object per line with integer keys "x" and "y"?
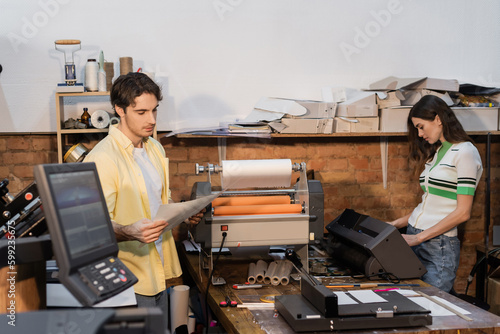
{"x": 81, "y": 211}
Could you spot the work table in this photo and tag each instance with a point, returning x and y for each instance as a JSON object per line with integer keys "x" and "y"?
{"x": 244, "y": 320}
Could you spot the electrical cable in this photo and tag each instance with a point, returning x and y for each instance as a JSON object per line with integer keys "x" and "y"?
{"x": 476, "y": 266}
{"x": 224, "y": 235}
{"x": 390, "y": 277}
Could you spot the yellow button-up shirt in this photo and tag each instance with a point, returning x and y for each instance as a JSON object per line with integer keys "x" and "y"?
{"x": 127, "y": 200}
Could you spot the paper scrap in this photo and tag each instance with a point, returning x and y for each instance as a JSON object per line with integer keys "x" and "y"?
{"x": 407, "y": 292}
{"x": 258, "y": 115}
{"x": 344, "y": 299}
{"x": 176, "y": 213}
{"x": 367, "y": 296}
{"x": 281, "y": 106}
{"x": 437, "y": 310}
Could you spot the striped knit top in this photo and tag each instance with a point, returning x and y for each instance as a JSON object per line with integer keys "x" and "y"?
{"x": 454, "y": 170}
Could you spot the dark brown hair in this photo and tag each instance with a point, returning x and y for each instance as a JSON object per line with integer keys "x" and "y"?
{"x": 427, "y": 108}
{"x": 129, "y": 86}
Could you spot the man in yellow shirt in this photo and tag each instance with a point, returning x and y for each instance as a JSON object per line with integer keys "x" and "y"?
{"x": 134, "y": 175}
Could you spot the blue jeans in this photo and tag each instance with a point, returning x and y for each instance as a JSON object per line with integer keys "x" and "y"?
{"x": 159, "y": 300}
{"x": 440, "y": 256}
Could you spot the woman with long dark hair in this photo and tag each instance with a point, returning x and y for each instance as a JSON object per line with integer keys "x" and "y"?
{"x": 452, "y": 168}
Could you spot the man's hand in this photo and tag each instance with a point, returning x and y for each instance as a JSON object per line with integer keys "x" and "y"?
{"x": 195, "y": 219}
{"x": 144, "y": 230}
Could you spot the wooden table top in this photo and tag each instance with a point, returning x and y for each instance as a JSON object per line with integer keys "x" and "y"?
{"x": 243, "y": 320}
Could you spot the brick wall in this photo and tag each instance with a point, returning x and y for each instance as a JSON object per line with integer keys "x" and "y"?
{"x": 349, "y": 168}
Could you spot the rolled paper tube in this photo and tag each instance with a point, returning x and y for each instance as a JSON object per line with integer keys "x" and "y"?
{"x": 250, "y": 200}
{"x": 110, "y": 73}
{"x": 288, "y": 267}
{"x": 270, "y": 272}
{"x": 179, "y": 314}
{"x": 251, "y": 273}
{"x": 126, "y": 65}
{"x": 257, "y": 209}
{"x": 260, "y": 270}
{"x": 278, "y": 273}
{"x": 191, "y": 322}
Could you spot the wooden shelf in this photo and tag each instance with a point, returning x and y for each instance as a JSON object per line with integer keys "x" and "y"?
{"x": 61, "y": 117}
{"x": 320, "y": 135}
{"x": 81, "y": 131}
{"x": 84, "y": 94}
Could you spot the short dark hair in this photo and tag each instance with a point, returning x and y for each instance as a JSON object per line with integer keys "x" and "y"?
{"x": 427, "y": 108}
{"x": 129, "y": 86}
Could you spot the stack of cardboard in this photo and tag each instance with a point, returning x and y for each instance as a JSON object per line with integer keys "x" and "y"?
{"x": 296, "y": 116}
{"x": 357, "y": 113}
{"x": 403, "y": 93}
{"x": 317, "y": 119}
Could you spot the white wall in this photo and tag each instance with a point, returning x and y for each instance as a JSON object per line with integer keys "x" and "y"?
{"x": 216, "y": 58}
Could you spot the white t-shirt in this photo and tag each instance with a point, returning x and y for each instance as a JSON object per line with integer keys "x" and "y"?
{"x": 456, "y": 172}
{"x": 153, "y": 186}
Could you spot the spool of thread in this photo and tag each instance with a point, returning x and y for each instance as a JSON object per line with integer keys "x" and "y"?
{"x": 100, "y": 119}
{"x": 110, "y": 73}
{"x": 91, "y": 69}
{"x": 126, "y": 65}
{"x": 101, "y": 78}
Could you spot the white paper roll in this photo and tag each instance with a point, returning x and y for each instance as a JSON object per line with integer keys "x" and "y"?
{"x": 100, "y": 119}
{"x": 179, "y": 306}
{"x": 191, "y": 323}
{"x": 256, "y": 173}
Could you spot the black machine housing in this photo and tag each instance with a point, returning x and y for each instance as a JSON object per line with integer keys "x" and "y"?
{"x": 22, "y": 215}
{"x": 372, "y": 247}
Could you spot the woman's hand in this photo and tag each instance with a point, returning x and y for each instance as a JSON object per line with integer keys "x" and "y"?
{"x": 412, "y": 239}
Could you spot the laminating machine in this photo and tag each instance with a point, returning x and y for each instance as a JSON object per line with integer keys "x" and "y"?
{"x": 257, "y": 207}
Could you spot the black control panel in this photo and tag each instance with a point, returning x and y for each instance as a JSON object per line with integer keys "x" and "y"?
{"x": 107, "y": 277}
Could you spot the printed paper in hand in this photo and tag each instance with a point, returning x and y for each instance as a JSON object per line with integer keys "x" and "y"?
{"x": 176, "y": 213}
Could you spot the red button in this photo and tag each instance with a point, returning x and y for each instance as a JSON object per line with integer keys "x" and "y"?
{"x": 223, "y": 228}
{"x": 28, "y": 196}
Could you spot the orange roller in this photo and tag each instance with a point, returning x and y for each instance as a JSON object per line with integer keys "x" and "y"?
{"x": 250, "y": 200}
{"x": 257, "y": 209}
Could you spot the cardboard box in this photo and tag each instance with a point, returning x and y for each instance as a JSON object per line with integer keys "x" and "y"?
{"x": 394, "y": 119}
{"x": 389, "y": 99}
{"x": 477, "y": 119}
{"x": 341, "y": 124}
{"x": 307, "y": 125}
{"x": 472, "y": 119}
{"x": 361, "y": 104}
{"x": 360, "y": 124}
{"x": 394, "y": 83}
{"x": 493, "y": 298}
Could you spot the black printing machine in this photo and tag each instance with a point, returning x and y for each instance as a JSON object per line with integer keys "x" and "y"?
{"x": 372, "y": 247}
{"x": 25, "y": 223}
